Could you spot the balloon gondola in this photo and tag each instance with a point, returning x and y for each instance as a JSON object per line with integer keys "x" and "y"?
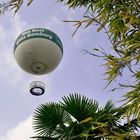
{"x": 37, "y": 88}
{"x": 38, "y": 51}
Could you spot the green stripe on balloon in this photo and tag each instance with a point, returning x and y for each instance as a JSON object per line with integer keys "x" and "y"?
{"x": 38, "y": 33}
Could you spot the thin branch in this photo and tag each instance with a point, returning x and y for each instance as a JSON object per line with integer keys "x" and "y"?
{"x": 106, "y": 31}
{"x": 87, "y": 52}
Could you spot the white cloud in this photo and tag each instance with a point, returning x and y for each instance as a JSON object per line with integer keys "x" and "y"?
{"x": 18, "y": 25}
{"x": 23, "y": 131}
{"x": 7, "y": 38}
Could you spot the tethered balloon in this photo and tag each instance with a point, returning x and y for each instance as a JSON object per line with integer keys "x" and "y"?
{"x": 38, "y": 51}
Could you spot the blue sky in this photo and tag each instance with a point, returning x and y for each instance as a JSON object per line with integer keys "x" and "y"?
{"x": 77, "y": 72}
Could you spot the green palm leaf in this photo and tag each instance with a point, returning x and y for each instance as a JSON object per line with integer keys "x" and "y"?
{"x": 79, "y": 118}
{"x": 108, "y": 114}
{"x": 80, "y": 107}
{"x": 112, "y": 116}
{"x": 48, "y": 118}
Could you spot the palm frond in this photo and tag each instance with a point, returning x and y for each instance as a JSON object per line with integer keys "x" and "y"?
{"x": 110, "y": 115}
{"x": 80, "y": 118}
{"x": 48, "y": 118}
{"x": 80, "y": 107}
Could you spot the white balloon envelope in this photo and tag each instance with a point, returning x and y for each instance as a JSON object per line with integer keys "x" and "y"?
{"x": 38, "y": 51}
